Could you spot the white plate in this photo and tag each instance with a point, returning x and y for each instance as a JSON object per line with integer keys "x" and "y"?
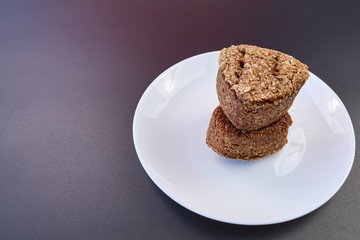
{"x": 169, "y": 132}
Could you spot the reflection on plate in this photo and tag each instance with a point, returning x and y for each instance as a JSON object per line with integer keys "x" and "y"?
{"x": 169, "y": 132}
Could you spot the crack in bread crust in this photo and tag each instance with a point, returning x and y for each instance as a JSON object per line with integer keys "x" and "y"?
{"x": 260, "y": 74}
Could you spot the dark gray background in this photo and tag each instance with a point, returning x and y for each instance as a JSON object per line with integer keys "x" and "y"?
{"x": 71, "y": 74}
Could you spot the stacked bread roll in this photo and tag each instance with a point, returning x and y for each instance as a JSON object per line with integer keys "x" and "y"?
{"x": 255, "y": 87}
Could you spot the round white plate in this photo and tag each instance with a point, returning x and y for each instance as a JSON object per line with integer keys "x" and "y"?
{"x": 169, "y": 131}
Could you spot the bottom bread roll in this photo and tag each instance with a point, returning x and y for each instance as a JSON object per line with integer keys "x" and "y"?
{"x": 227, "y": 141}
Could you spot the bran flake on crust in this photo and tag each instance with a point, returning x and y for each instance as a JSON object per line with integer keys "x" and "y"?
{"x": 260, "y": 74}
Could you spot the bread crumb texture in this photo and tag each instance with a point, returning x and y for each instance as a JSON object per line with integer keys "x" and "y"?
{"x": 259, "y": 74}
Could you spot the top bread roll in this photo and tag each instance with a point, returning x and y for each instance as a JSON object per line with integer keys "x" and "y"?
{"x": 256, "y": 86}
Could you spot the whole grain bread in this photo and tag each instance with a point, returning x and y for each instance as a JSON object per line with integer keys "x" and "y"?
{"x": 223, "y": 137}
{"x": 256, "y": 86}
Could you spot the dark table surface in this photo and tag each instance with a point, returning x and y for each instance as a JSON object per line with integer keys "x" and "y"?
{"x": 71, "y": 75}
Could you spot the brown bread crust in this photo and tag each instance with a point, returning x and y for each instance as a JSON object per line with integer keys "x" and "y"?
{"x": 245, "y": 115}
{"x": 256, "y": 86}
{"x": 227, "y": 141}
